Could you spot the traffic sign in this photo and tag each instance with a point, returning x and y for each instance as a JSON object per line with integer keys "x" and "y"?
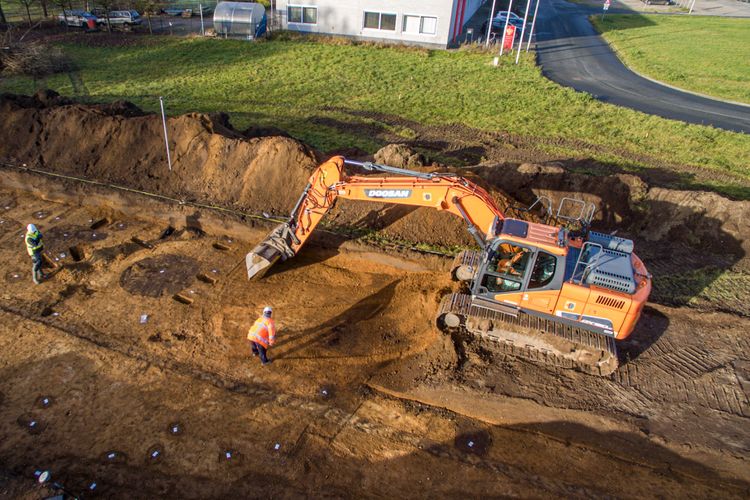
{"x": 509, "y": 38}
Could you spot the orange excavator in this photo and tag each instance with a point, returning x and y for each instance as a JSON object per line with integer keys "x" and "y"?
{"x": 558, "y": 294}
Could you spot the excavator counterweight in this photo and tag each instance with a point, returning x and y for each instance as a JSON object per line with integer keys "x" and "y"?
{"x": 540, "y": 291}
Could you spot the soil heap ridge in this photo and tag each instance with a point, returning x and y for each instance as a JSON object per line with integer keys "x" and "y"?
{"x": 262, "y": 170}
{"x": 120, "y": 144}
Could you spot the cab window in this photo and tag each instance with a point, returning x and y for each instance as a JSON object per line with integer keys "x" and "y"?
{"x": 543, "y": 270}
{"x": 506, "y": 268}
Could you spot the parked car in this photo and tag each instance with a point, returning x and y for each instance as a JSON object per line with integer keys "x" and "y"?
{"x": 657, "y": 2}
{"x": 122, "y": 17}
{"x": 175, "y": 11}
{"x": 498, "y": 22}
{"x": 76, "y": 18}
{"x": 500, "y": 16}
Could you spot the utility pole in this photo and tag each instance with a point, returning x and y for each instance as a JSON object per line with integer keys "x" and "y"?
{"x": 523, "y": 30}
{"x": 533, "y": 23}
{"x": 166, "y": 138}
{"x": 691, "y": 7}
{"x": 489, "y": 24}
{"x": 505, "y": 28}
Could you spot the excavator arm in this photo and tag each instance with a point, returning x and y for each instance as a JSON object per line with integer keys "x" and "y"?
{"x": 330, "y": 181}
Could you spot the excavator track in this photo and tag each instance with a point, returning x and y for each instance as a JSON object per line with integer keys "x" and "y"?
{"x": 530, "y": 337}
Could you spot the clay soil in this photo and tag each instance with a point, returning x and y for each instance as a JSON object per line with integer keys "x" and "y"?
{"x": 106, "y": 378}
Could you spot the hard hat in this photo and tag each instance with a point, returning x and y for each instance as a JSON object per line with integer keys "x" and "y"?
{"x": 267, "y": 311}
{"x": 31, "y": 228}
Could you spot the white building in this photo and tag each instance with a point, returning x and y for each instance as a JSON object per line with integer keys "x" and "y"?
{"x": 432, "y": 23}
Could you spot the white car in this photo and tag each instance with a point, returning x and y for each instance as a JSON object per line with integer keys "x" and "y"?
{"x": 120, "y": 17}
{"x": 77, "y": 18}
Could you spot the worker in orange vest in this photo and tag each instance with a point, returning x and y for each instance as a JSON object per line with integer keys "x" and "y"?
{"x": 262, "y": 335}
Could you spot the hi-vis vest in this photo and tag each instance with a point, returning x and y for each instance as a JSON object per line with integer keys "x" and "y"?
{"x": 34, "y": 242}
{"x": 263, "y": 331}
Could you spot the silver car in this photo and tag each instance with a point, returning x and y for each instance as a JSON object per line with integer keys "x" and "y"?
{"x": 121, "y": 17}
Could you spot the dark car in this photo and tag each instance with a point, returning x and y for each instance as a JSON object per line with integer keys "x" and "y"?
{"x": 499, "y": 25}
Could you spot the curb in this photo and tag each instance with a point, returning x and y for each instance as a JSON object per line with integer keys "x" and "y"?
{"x": 659, "y": 82}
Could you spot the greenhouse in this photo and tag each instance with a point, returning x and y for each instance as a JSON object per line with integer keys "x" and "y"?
{"x": 240, "y": 19}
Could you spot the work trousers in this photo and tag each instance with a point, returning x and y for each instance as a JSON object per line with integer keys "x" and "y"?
{"x": 36, "y": 266}
{"x": 260, "y": 350}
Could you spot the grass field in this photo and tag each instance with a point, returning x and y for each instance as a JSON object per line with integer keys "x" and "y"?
{"x": 710, "y": 55}
{"x": 302, "y": 86}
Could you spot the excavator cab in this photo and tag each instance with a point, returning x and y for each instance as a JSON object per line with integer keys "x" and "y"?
{"x": 512, "y": 268}
{"x": 506, "y": 268}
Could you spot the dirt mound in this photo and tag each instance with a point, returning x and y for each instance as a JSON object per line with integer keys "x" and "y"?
{"x": 625, "y": 202}
{"x": 400, "y": 155}
{"x": 118, "y": 143}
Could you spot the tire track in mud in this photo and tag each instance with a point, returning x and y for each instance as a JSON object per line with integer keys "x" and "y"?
{"x": 671, "y": 373}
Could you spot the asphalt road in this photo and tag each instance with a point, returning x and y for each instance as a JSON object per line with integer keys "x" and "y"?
{"x": 571, "y": 53}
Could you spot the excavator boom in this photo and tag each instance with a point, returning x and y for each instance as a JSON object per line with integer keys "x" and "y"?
{"x": 330, "y": 181}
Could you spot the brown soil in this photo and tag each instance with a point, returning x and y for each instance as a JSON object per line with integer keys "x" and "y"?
{"x": 365, "y": 395}
{"x": 215, "y": 164}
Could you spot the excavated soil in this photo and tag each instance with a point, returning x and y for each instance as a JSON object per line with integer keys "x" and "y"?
{"x": 151, "y": 396}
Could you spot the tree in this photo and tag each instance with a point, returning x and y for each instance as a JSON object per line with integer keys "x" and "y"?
{"x": 3, "y": 21}
{"x": 27, "y": 4}
{"x": 107, "y": 6}
{"x": 64, "y": 7}
{"x": 149, "y": 8}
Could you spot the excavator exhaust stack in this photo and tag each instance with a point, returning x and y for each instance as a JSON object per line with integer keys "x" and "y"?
{"x": 277, "y": 245}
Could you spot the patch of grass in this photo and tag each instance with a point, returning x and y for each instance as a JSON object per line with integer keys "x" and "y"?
{"x": 707, "y": 288}
{"x": 710, "y": 55}
{"x": 329, "y": 95}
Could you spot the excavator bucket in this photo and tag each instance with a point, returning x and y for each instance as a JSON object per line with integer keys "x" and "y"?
{"x": 277, "y": 245}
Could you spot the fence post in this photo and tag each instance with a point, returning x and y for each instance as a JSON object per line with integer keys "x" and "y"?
{"x": 200, "y": 8}
{"x": 533, "y": 24}
{"x": 166, "y": 138}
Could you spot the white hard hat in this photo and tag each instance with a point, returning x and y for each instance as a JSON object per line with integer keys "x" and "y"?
{"x": 267, "y": 311}
{"x": 31, "y": 228}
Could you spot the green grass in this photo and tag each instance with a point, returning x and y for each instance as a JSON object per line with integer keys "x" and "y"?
{"x": 709, "y": 288}
{"x": 316, "y": 90}
{"x": 709, "y": 55}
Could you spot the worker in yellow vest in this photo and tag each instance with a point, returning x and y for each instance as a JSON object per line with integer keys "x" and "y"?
{"x": 262, "y": 335}
{"x": 35, "y": 247}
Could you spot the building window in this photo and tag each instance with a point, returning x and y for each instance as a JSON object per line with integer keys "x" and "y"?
{"x": 302, "y": 15}
{"x": 380, "y": 21}
{"x": 420, "y": 24}
{"x": 429, "y": 25}
{"x": 310, "y": 15}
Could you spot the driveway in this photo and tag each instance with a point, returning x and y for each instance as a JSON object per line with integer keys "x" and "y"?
{"x": 571, "y": 53}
